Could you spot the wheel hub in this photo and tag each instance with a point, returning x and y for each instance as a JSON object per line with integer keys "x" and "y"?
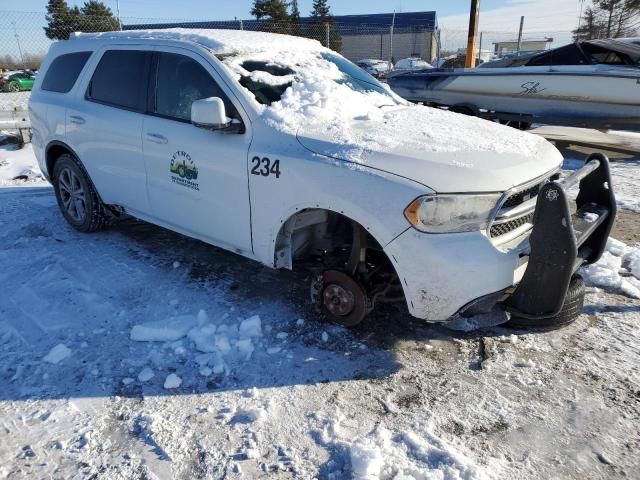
{"x": 342, "y": 298}
{"x": 72, "y": 195}
{"x": 337, "y": 300}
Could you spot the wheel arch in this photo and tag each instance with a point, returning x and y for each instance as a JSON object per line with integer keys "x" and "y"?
{"x": 54, "y": 150}
{"x": 301, "y": 220}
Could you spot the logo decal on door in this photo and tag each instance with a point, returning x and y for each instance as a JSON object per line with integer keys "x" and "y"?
{"x": 184, "y": 171}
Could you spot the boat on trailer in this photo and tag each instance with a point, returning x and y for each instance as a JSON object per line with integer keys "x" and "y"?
{"x": 592, "y": 84}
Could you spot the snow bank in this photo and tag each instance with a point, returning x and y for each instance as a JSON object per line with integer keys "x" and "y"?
{"x": 19, "y": 166}
{"x": 617, "y": 270}
{"x": 407, "y": 455}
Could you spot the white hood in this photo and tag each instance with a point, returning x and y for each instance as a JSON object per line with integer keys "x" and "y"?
{"x": 361, "y": 121}
{"x": 445, "y": 151}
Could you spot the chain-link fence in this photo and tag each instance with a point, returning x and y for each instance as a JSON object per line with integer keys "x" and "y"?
{"x": 25, "y": 38}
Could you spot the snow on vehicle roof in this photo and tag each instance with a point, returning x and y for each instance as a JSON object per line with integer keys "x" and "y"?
{"x": 218, "y": 41}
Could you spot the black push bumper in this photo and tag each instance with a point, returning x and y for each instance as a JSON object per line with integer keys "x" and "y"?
{"x": 561, "y": 241}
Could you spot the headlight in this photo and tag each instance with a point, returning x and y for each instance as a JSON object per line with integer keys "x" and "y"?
{"x": 451, "y": 213}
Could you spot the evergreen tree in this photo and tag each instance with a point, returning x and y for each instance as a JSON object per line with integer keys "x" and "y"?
{"x": 295, "y": 11}
{"x": 609, "y": 19}
{"x": 294, "y": 18}
{"x": 274, "y": 13}
{"x": 95, "y": 16}
{"x": 61, "y": 20}
{"x": 320, "y": 18}
{"x": 320, "y": 9}
{"x": 275, "y": 10}
{"x": 590, "y": 26}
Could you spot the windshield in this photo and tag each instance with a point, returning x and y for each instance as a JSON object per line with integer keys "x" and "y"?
{"x": 355, "y": 77}
{"x": 268, "y": 80}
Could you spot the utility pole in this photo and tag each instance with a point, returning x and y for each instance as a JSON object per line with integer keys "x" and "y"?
{"x": 118, "y": 14}
{"x": 480, "y": 47}
{"x": 474, "y": 16}
{"x": 15, "y": 34}
{"x": 393, "y": 24}
{"x": 520, "y": 33}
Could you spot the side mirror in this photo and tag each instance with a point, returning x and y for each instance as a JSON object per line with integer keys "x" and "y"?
{"x": 209, "y": 113}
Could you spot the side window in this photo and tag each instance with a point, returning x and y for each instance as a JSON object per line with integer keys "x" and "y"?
{"x": 120, "y": 79}
{"x": 569, "y": 55}
{"x": 180, "y": 81}
{"x": 63, "y": 72}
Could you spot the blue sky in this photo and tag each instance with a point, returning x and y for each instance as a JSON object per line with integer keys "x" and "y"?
{"x": 499, "y": 19}
{"x": 230, "y": 9}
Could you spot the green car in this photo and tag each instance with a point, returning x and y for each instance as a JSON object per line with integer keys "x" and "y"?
{"x": 17, "y": 82}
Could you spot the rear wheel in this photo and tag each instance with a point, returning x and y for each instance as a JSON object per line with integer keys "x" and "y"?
{"x": 573, "y": 303}
{"x": 14, "y": 87}
{"x": 77, "y": 198}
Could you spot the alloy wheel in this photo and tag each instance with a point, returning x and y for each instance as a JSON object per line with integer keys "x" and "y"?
{"x": 72, "y": 195}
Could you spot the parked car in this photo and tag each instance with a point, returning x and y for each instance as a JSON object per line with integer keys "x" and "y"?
{"x": 281, "y": 150}
{"x": 373, "y": 67}
{"x": 411, "y": 64}
{"x": 17, "y": 82}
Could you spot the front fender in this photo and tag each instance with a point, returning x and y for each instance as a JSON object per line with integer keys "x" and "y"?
{"x": 376, "y": 200}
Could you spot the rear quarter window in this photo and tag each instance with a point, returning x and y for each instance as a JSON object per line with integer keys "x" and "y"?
{"x": 63, "y": 72}
{"x": 120, "y": 79}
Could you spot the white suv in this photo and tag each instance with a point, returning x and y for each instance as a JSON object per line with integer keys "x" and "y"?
{"x": 282, "y": 151}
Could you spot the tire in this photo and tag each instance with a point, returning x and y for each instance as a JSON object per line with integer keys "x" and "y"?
{"x": 573, "y": 303}
{"x": 14, "y": 87}
{"x": 77, "y": 198}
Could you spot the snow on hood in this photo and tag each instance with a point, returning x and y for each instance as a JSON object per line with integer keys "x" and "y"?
{"x": 377, "y": 128}
{"x": 332, "y": 114}
{"x": 218, "y": 41}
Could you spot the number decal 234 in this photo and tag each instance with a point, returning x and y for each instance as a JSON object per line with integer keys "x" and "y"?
{"x": 264, "y": 167}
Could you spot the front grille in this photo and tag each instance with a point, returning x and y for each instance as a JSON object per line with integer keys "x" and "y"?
{"x": 520, "y": 197}
{"x": 506, "y": 227}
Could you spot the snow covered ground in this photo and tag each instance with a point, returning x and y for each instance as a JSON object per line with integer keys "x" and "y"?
{"x": 18, "y": 166}
{"x": 137, "y": 352}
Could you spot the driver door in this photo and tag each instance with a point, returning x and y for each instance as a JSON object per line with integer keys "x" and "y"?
{"x": 196, "y": 178}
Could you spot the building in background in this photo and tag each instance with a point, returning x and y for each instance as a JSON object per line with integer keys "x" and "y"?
{"x": 369, "y": 36}
{"x": 410, "y": 34}
{"x": 501, "y": 49}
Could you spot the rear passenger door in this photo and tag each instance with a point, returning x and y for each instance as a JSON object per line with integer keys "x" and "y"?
{"x": 104, "y": 125}
{"x": 197, "y": 178}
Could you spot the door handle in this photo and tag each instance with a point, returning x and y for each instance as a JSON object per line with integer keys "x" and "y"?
{"x": 156, "y": 138}
{"x": 77, "y": 119}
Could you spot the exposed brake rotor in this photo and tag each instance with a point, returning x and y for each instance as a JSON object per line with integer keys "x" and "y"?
{"x": 343, "y": 299}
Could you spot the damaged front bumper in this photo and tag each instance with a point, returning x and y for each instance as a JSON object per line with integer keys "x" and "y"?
{"x": 446, "y": 276}
{"x": 561, "y": 241}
